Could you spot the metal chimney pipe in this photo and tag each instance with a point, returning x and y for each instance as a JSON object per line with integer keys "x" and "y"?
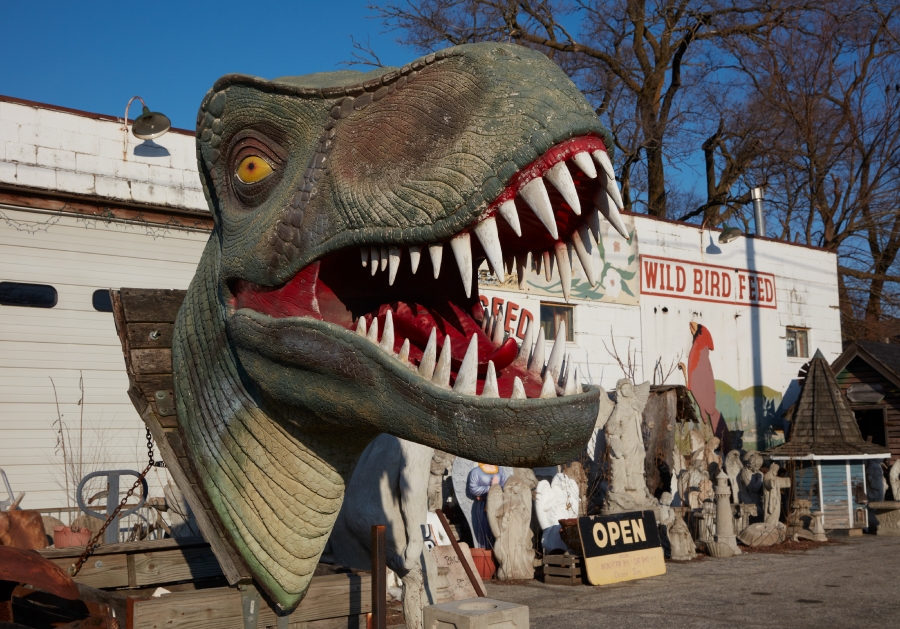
{"x": 757, "y": 195}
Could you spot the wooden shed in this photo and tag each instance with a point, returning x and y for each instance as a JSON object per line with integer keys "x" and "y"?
{"x": 868, "y": 374}
{"x": 826, "y": 450}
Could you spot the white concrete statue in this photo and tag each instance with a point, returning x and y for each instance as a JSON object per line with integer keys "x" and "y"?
{"x": 733, "y": 467}
{"x": 554, "y": 502}
{"x": 750, "y": 481}
{"x": 460, "y": 471}
{"x": 772, "y": 486}
{"x": 894, "y": 478}
{"x": 628, "y": 488}
{"x": 389, "y": 486}
{"x": 509, "y": 514}
{"x": 680, "y": 541}
{"x": 439, "y": 484}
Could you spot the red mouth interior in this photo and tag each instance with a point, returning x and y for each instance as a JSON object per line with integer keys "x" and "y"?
{"x": 338, "y": 289}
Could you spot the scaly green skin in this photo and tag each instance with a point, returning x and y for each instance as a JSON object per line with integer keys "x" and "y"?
{"x": 276, "y": 411}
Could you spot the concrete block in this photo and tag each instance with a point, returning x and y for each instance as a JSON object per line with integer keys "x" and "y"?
{"x": 149, "y": 152}
{"x": 111, "y": 149}
{"x": 91, "y": 164}
{"x": 112, "y": 188}
{"x": 20, "y": 114}
{"x": 175, "y": 196}
{"x": 148, "y": 193}
{"x": 9, "y": 131}
{"x": 58, "y": 119}
{"x": 21, "y": 152}
{"x": 132, "y": 171}
{"x": 47, "y": 137}
{"x": 55, "y": 158}
{"x": 166, "y": 176}
{"x": 476, "y": 613}
{"x": 79, "y": 183}
{"x": 194, "y": 199}
{"x": 7, "y": 172}
{"x": 36, "y": 177}
{"x": 79, "y": 142}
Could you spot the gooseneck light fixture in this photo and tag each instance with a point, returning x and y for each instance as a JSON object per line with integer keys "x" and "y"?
{"x": 147, "y": 126}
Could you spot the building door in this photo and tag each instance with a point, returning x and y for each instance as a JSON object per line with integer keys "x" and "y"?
{"x": 871, "y": 422}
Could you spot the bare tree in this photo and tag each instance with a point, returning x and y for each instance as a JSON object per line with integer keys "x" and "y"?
{"x": 641, "y": 62}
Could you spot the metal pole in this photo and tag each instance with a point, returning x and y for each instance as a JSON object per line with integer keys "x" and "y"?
{"x": 379, "y": 578}
{"x": 757, "y": 195}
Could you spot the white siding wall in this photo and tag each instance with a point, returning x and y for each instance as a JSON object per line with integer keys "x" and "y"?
{"x": 72, "y": 341}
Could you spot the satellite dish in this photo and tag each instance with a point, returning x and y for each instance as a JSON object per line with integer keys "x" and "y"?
{"x": 150, "y": 125}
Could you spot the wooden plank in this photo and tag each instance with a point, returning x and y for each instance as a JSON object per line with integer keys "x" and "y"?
{"x": 151, "y": 305}
{"x": 151, "y": 383}
{"x": 330, "y": 596}
{"x": 155, "y": 361}
{"x": 552, "y": 580}
{"x": 107, "y": 571}
{"x": 150, "y": 335}
{"x": 562, "y": 572}
{"x": 154, "y": 545}
{"x": 174, "y": 565}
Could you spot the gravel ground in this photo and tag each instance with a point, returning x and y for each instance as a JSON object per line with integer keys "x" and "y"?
{"x": 847, "y": 583}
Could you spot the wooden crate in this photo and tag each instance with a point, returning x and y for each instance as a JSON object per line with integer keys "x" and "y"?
{"x": 562, "y": 570}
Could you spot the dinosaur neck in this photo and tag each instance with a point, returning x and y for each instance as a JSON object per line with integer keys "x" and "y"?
{"x": 275, "y": 487}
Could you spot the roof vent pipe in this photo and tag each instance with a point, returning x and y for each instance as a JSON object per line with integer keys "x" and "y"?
{"x": 757, "y": 195}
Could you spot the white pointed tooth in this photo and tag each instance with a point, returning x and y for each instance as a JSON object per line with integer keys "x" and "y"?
{"x": 509, "y": 263}
{"x": 525, "y": 348}
{"x": 561, "y": 179}
{"x": 375, "y": 256}
{"x": 564, "y": 370}
{"x": 361, "y": 326}
{"x": 548, "y": 266}
{"x": 611, "y": 186}
{"x": 462, "y": 251}
{"x": 518, "y": 392}
{"x": 383, "y": 252}
{"x": 498, "y": 332}
{"x": 509, "y": 212}
{"x": 572, "y": 386}
{"x": 404, "y": 352}
{"x": 536, "y": 364}
{"x": 393, "y": 264}
{"x": 548, "y": 389}
{"x": 565, "y": 269}
{"x": 584, "y": 248}
{"x": 521, "y": 268}
{"x": 372, "y": 335}
{"x": 535, "y": 195}
{"x": 436, "y": 252}
{"x": 537, "y": 260}
{"x": 486, "y": 323}
{"x": 585, "y": 164}
{"x": 486, "y": 231}
{"x": 415, "y": 255}
{"x": 429, "y": 357}
{"x": 490, "y": 382}
{"x": 610, "y": 213}
{"x": 442, "y": 371}
{"x": 364, "y": 254}
{"x": 556, "y": 354}
{"x": 467, "y": 376}
{"x": 592, "y": 219}
{"x": 387, "y": 336}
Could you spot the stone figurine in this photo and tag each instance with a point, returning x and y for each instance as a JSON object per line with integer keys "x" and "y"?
{"x": 389, "y": 486}
{"x": 750, "y": 481}
{"x": 725, "y": 514}
{"x": 772, "y": 487}
{"x": 440, "y": 485}
{"x": 681, "y": 543}
{"x": 733, "y": 467}
{"x": 480, "y": 481}
{"x": 628, "y": 488}
{"x": 459, "y": 475}
{"x": 894, "y": 479}
{"x": 305, "y": 333}
{"x": 509, "y": 514}
{"x": 553, "y": 502}
{"x": 575, "y": 471}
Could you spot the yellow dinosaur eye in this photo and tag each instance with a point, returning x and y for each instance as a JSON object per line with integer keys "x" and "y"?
{"x": 253, "y": 169}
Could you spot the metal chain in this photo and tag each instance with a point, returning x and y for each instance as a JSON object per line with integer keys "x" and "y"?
{"x": 76, "y": 567}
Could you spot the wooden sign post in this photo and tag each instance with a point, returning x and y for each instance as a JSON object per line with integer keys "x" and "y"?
{"x": 621, "y": 547}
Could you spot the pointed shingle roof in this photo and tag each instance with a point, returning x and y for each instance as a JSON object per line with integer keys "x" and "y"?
{"x": 823, "y": 424}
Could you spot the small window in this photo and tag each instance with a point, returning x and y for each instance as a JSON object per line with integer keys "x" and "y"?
{"x": 101, "y": 300}
{"x": 552, "y": 315}
{"x": 28, "y": 295}
{"x": 797, "y": 343}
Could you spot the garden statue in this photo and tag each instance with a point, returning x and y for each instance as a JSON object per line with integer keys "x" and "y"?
{"x": 733, "y": 467}
{"x": 894, "y": 478}
{"x": 680, "y": 541}
{"x": 725, "y": 514}
{"x": 554, "y": 502}
{"x": 481, "y": 478}
{"x": 575, "y": 471}
{"x": 628, "y": 488}
{"x": 439, "y": 483}
{"x": 509, "y": 514}
{"x": 750, "y": 481}
{"x": 772, "y": 486}
{"x": 307, "y": 330}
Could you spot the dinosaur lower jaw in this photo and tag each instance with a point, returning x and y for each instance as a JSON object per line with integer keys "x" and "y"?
{"x": 426, "y": 313}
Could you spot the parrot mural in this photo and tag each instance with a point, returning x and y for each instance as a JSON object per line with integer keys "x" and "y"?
{"x": 700, "y": 381}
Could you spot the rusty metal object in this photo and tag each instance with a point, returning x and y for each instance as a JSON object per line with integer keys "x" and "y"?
{"x": 27, "y": 567}
{"x": 22, "y": 529}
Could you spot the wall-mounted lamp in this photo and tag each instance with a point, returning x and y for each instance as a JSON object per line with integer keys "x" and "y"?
{"x": 147, "y": 126}
{"x": 729, "y": 233}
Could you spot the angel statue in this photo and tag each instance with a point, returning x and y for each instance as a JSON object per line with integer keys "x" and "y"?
{"x": 628, "y": 487}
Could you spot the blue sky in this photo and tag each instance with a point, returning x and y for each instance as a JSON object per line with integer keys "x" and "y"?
{"x": 94, "y": 55}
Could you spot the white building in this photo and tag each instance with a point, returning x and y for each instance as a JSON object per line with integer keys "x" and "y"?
{"x": 78, "y": 217}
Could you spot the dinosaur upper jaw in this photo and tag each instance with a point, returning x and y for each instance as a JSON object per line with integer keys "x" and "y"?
{"x": 415, "y": 311}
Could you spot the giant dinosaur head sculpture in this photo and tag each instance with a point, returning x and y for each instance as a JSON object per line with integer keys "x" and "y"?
{"x": 346, "y": 204}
